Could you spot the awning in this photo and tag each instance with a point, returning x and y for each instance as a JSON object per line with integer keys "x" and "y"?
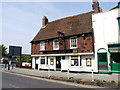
{"x": 114, "y": 50}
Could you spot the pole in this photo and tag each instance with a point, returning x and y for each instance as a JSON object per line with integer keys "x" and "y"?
{"x": 48, "y": 71}
{"x": 68, "y": 73}
{"x": 92, "y": 75}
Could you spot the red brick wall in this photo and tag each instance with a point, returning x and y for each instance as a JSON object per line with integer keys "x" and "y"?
{"x": 49, "y": 45}
{"x": 35, "y": 48}
{"x": 67, "y": 42}
{"x": 83, "y": 45}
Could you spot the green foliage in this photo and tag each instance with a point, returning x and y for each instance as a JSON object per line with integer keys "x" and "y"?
{"x": 24, "y": 58}
{"x": 98, "y": 82}
{"x": 3, "y": 50}
{"x": 113, "y": 82}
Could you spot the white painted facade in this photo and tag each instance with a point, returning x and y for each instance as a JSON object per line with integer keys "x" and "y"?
{"x": 66, "y": 63}
{"x": 106, "y": 31}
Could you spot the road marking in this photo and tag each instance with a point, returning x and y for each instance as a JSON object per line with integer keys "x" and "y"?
{"x": 13, "y": 86}
{"x": 54, "y": 81}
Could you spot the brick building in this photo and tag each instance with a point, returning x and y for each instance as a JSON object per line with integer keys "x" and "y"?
{"x": 66, "y": 43}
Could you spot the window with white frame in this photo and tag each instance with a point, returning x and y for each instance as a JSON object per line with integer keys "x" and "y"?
{"x": 73, "y": 42}
{"x": 74, "y": 61}
{"x": 42, "y": 45}
{"x": 42, "y": 60}
{"x": 55, "y": 44}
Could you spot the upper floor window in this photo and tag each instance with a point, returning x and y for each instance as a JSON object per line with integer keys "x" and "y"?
{"x": 42, "y": 45}
{"x": 55, "y": 44}
{"x": 73, "y": 42}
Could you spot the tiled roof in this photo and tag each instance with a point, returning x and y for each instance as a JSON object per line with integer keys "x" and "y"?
{"x": 72, "y": 25}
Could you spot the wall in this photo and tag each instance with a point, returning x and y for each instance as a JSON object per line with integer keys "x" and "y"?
{"x": 105, "y": 26}
{"x": 106, "y": 31}
{"x": 65, "y": 64}
{"x": 35, "y": 48}
{"x": 84, "y": 45}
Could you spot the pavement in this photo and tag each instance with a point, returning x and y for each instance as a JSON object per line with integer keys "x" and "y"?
{"x": 83, "y": 76}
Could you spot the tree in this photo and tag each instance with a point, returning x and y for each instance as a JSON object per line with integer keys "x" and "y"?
{"x": 24, "y": 58}
{"x": 3, "y": 51}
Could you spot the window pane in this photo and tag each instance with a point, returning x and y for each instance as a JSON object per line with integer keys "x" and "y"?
{"x": 74, "y": 60}
{"x": 42, "y": 60}
{"x": 42, "y": 46}
{"x": 73, "y": 42}
{"x": 56, "y": 44}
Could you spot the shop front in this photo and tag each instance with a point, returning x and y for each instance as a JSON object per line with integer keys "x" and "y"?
{"x": 115, "y": 57}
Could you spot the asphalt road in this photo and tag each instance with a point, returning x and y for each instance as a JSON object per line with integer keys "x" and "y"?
{"x": 17, "y": 81}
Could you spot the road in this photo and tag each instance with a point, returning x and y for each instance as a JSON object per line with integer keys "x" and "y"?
{"x": 18, "y": 81}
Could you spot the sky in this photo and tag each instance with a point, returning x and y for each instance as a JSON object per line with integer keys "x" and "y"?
{"x": 20, "y": 21}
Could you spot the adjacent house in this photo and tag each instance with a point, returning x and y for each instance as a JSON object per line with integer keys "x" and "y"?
{"x": 107, "y": 39}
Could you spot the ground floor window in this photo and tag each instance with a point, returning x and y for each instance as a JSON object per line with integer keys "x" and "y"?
{"x": 42, "y": 60}
{"x": 115, "y": 57}
{"x": 51, "y": 61}
{"x": 88, "y": 62}
{"x": 74, "y": 61}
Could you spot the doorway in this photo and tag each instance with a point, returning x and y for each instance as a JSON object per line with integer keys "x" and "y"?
{"x": 102, "y": 62}
{"x": 58, "y": 63}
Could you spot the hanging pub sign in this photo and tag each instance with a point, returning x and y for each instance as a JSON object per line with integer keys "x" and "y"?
{"x": 60, "y": 40}
{"x": 88, "y": 62}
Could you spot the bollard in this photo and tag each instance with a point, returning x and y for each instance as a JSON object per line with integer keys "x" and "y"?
{"x": 92, "y": 75}
{"x": 48, "y": 71}
{"x": 8, "y": 67}
{"x": 68, "y": 74}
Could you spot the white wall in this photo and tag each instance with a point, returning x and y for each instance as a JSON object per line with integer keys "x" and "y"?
{"x": 65, "y": 63}
{"x": 106, "y": 31}
{"x": 105, "y": 26}
{"x": 89, "y": 68}
{"x": 33, "y": 62}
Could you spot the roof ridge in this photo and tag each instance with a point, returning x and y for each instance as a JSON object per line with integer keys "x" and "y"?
{"x": 69, "y": 17}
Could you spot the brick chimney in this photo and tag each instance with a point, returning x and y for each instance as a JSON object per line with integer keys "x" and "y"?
{"x": 44, "y": 21}
{"x": 95, "y": 6}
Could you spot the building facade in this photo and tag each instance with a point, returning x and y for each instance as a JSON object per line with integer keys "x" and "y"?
{"x": 66, "y": 43}
{"x": 82, "y": 43}
{"x": 107, "y": 40}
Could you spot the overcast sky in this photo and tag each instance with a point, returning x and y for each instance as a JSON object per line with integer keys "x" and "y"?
{"x": 20, "y": 21}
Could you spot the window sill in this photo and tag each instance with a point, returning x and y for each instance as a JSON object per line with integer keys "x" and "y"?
{"x": 56, "y": 49}
{"x": 73, "y": 47}
{"x": 77, "y": 66}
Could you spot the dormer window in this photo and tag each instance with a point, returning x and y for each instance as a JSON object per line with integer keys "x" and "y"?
{"x": 55, "y": 44}
{"x": 42, "y": 45}
{"x": 73, "y": 42}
